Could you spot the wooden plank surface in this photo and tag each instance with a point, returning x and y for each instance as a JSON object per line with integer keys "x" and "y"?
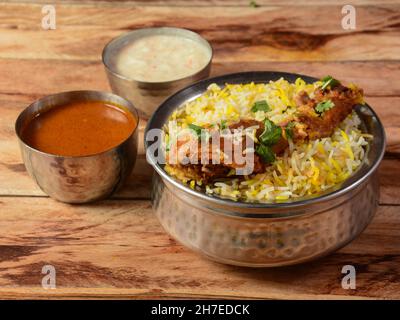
{"x": 38, "y": 77}
{"x": 116, "y": 248}
{"x": 207, "y": 3}
{"x": 263, "y": 34}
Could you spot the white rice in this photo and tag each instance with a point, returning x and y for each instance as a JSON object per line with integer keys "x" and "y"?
{"x": 304, "y": 169}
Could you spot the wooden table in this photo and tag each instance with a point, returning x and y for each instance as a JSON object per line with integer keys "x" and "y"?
{"x": 116, "y": 248}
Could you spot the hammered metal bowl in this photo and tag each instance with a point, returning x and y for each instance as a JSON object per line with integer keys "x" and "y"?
{"x": 78, "y": 179}
{"x": 266, "y": 234}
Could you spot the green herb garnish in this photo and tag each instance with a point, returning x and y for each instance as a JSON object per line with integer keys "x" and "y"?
{"x": 201, "y": 132}
{"x": 196, "y": 129}
{"x": 261, "y": 105}
{"x": 272, "y": 133}
{"x": 223, "y": 125}
{"x": 265, "y": 153}
{"x": 324, "y": 106}
{"x": 253, "y": 4}
{"x": 329, "y": 81}
{"x": 289, "y": 129}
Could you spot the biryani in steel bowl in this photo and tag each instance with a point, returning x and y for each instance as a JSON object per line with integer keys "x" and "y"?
{"x": 306, "y": 139}
{"x": 265, "y": 169}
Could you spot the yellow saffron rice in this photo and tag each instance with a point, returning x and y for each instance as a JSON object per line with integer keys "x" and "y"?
{"x": 304, "y": 169}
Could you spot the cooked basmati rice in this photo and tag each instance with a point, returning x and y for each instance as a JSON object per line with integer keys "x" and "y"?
{"x": 304, "y": 169}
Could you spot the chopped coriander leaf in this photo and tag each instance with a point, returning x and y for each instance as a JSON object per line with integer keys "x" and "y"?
{"x": 223, "y": 124}
{"x": 289, "y": 129}
{"x": 324, "y": 106}
{"x": 265, "y": 153}
{"x": 196, "y": 129}
{"x": 329, "y": 81}
{"x": 167, "y": 142}
{"x": 272, "y": 133}
{"x": 261, "y": 105}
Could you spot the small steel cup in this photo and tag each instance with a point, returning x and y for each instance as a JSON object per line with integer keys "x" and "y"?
{"x": 147, "y": 96}
{"x": 78, "y": 179}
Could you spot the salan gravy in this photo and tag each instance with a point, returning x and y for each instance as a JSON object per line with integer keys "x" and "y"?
{"x": 79, "y": 128}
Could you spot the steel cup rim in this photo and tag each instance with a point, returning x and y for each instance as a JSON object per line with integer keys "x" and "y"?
{"x": 43, "y": 99}
{"x": 156, "y": 83}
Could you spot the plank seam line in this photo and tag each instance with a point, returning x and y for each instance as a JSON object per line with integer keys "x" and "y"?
{"x": 174, "y": 294}
{"x": 47, "y": 197}
{"x": 22, "y": 94}
{"x": 93, "y": 61}
{"x": 128, "y": 4}
{"x": 382, "y": 204}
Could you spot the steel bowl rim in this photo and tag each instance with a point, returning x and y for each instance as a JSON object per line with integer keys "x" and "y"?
{"x": 169, "y": 82}
{"x": 41, "y": 100}
{"x": 273, "y": 205}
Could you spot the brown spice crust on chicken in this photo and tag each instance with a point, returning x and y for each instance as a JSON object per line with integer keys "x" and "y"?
{"x": 320, "y": 126}
{"x": 199, "y": 170}
{"x": 309, "y": 125}
{"x": 205, "y": 173}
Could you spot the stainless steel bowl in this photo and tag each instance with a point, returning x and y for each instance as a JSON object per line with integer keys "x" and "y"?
{"x": 147, "y": 96}
{"x": 78, "y": 179}
{"x": 266, "y": 234}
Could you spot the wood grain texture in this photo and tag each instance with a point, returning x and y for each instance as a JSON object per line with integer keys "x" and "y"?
{"x": 271, "y": 33}
{"x": 36, "y": 78}
{"x": 118, "y": 247}
{"x": 207, "y": 3}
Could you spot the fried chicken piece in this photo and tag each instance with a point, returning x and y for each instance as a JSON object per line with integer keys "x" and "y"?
{"x": 322, "y": 125}
{"x": 258, "y": 165}
{"x": 248, "y": 123}
{"x": 308, "y": 124}
{"x": 196, "y": 161}
{"x": 205, "y": 173}
{"x": 281, "y": 145}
